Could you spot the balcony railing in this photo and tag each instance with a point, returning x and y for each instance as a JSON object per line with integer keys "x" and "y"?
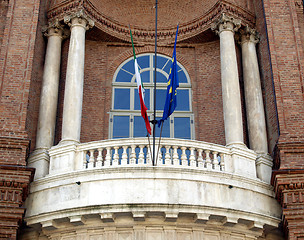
{"x": 137, "y": 153}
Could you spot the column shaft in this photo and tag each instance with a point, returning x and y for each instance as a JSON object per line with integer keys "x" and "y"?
{"x": 49, "y": 92}
{"x": 253, "y": 96}
{"x": 225, "y": 27}
{"x": 72, "y": 108}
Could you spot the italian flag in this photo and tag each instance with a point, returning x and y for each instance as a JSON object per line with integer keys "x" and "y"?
{"x": 141, "y": 91}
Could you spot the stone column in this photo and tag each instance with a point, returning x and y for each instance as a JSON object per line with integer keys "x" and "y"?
{"x": 48, "y": 100}
{"x": 254, "y": 103}
{"x": 225, "y": 27}
{"x": 72, "y": 108}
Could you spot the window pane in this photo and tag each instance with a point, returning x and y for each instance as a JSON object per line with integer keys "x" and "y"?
{"x": 145, "y": 76}
{"x": 121, "y": 98}
{"x": 137, "y": 102}
{"x": 139, "y": 127}
{"x": 129, "y": 66}
{"x": 182, "y": 77}
{"x": 160, "y": 98}
{"x": 182, "y": 99}
{"x": 121, "y": 126}
{"x": 160, "y": 78}
{"x": 123, "y": 76}
{"x": 168, "y": 66}
{"x": 166, "y": 129}
{"x": 161, "y": 61}
{"x": 182, "y": 127}
{"x": 143, "y": 62}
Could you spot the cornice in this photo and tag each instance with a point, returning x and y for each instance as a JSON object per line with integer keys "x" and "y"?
{"x": 121, "y": 31}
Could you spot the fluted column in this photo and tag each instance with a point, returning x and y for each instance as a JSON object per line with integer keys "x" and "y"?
{"x": 225, "y": 27}
{"x": 254, "y": 103}
{"x": 72, "y": 108}
{"x": 48, "y": 100}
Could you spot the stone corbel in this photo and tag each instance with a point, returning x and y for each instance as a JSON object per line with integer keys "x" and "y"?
{"x": 55, "y": 28}
{"x": 225, "y": 23}
{"x": 89, "y": 23}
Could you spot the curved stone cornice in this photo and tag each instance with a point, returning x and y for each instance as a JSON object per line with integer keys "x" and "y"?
{"x": 121, "y": 31}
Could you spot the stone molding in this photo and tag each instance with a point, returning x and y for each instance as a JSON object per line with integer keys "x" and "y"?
{"x": 226, "y": 23}
{"x": 186, "y": 30}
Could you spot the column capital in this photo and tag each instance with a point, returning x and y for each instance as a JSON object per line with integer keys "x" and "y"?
{"x": 55, "y": 28}
{"x": 225, "y": 23}
{"x": 79, "y": 18}
{"x": 248, "y": 34}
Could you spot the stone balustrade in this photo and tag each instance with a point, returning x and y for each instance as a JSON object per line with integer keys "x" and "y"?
{"x": 137, "y": 153}
{"x": 173, "y": 153}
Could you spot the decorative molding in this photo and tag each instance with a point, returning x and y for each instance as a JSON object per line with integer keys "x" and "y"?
{"x": 121, "y": 31}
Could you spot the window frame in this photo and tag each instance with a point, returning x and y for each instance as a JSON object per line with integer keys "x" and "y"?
{"x": 149, "y": 85}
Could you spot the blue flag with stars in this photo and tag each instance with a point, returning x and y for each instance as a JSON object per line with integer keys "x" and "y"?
{"x": 172, "y": 85}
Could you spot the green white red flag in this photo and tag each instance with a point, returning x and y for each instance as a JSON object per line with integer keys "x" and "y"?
{"x": 141, "y": 91}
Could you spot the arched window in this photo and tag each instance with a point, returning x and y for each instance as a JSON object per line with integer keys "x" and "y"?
{"x": 125, "y": 117}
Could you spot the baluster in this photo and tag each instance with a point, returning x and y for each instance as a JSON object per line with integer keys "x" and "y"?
{"x": 215, "y": 162}
{"x": 85, "y": 162}
{"x": 192, "y": 158}
{"x": 184, "y": 157}
{"x": 222, "y": 163}
{"x": 149, "y": 156}
{"x": 124, "y": 158}
{"x": 141, "y": 155}
{"x": 200, "y": 163}
{"x": 175, "y": 156}
{"x": 108, "y": 157}
{"x": 133, "y": 155}
{"x": 99, "y": 158}
{"x": 91, "y": 159}
{"x": 167, "y": 156}
{"x": 208, "y": 160}
{"x": 159, "y": 156}
{"x": 115, "y": 157}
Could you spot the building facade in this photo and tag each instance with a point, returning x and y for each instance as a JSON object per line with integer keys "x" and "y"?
{"x": 75, "y": 161}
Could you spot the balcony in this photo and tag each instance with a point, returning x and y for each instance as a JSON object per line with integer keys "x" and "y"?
{"x": 110, "y": 179}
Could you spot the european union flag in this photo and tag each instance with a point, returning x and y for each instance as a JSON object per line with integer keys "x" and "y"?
{"x": 173, "y": 84}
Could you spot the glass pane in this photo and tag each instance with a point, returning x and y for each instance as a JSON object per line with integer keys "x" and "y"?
{"x": 121, "y": 126}
{"x": 161, "y": 61}
{"x": 160, "y": 78}
{"x": 143, "y": 62}
{"x": 182, "y": 100}
{"x": 137, "y": 102}
{"x": 160, "y": 98}
{"x": 121, "y": 98}
{"x": 182, "y": 127}
{"x": 182, "y": 77}
{"x": 168, "y": 66}
{"x": 139, "y": 127}
{"x": 129, "y": 66}
{"x": 166, "y": 129}
{"x": 145, "y": 76}
{"x": 123, "y": 76}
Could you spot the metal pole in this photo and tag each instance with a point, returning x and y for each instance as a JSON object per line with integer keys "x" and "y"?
{"x": 155, "y": 61}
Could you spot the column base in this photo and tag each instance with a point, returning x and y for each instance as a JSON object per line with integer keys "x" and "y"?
{"x": 237, "y": 145}
{"x": 264, "y": 164}
{"x": 39, "y": 159}
{"x": 68, "y": 142}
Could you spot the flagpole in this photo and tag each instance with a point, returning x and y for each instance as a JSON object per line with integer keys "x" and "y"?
{"x": 155, "y": 61}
